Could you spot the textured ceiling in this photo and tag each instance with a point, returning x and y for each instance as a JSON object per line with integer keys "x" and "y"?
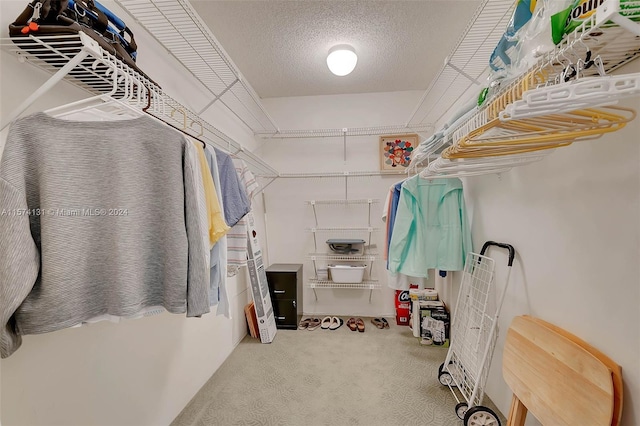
{"x": 281, "y": 46}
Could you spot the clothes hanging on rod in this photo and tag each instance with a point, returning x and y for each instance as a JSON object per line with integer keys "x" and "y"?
{"x": 216, "y": 220}
{"x": 431, "y": 229}
{"x": 396, "y": 281}
{"x": 236, "y": 203}
{"x": 94, "y": 228}
{"x": 203, "y": 210}
{"x": 218, "y": 254}
{"x": 394, "y": 198}
{"x": 237, "y": 237}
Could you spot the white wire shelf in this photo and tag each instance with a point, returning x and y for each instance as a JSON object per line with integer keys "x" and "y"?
{"x": 342, "y": 202}
{"x": 177, "y": 26}
{"x": 81, "y": 62}
{"x": 364, "y": 285}
{"x": 329, "y": 256}
{"x": 333, "y": 175}
{"x": 51, "y": 53}
{"x": 351, "y": 131}
{"x": 610, "y": 45}
{"x": 343, "y": 229}
{"x": 467, "y": 63}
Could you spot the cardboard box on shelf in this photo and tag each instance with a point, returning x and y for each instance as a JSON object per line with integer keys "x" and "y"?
{"x": 431, "y": 304}
{"x": 423, "y": 294}
{"x": 434, "y": 325}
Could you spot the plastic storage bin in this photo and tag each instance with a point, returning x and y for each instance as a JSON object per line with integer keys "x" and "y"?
{"x": 346, "y": 246}
{"x": 347, "y": 273}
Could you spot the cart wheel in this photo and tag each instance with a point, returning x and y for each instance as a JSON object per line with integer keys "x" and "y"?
{"x": 461, "y": 410}
{"x": 442, "y": 367}
{"x": 445, "y": 379}
{"x": 480, "y": 416}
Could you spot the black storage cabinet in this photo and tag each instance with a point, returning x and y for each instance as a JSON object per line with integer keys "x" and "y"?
{"x": 285, "y": 287}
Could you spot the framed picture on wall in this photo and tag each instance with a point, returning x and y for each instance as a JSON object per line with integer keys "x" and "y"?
{"x": 396, "y": 151}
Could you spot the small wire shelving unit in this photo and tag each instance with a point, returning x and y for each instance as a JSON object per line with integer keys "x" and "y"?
{"x": 319, "y": 257}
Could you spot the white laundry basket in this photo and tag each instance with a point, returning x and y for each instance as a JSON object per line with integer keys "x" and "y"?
{"x": 347, "y": 273}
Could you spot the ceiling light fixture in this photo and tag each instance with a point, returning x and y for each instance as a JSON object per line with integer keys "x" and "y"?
{"x": 342, "y": 59}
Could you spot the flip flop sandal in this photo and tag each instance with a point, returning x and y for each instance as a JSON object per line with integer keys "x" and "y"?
{"x": 360, "y": 325}
{"x": 315, "y": 323}
{"x": 326, "y": 323}
{"x": 377, "y": 322}
{"x": 304, "y": 323}
{"x": 336, "y": 323}
{"x": 351, "y": 323}
{"x": 385, "y": 322}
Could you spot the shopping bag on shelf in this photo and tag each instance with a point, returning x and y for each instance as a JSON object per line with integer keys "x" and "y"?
{"x": 68, "y": 17}
{"x": 92, "y": 14}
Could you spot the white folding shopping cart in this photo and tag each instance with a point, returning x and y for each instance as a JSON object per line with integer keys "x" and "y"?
{"x": 473, "y": 338}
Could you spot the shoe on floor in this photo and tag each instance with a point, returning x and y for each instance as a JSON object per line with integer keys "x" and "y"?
{"x": 377, "y": 322}
{"x": 385, "y": 322}
{"x": 326, "y": 323}
{"x": 304, "y": 323}
{"x": 360, "y": 325}
{"x": 351, "y": 323}
{"x": 315, "y": 323}
{"x": 336, "y": 323}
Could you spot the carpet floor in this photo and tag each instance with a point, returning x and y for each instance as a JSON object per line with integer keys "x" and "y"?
{"x": 324, "y": 377}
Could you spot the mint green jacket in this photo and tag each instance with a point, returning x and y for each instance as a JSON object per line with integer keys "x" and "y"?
{"x": 431, "y": 228}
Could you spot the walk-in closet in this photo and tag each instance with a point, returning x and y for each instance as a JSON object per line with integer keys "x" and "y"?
{"x": 343, "y": 212}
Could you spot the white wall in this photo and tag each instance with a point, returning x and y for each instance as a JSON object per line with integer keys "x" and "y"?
{"x": 574, "y": 219}
{"x": 289, "y": 218}
{"x": 140, "y": 372}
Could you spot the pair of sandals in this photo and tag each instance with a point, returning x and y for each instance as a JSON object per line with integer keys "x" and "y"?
{"x": 381, "y": 323}
{"x": 356, "y": 324}
{"x": 309, "y": 324}
{"x": 327, "y": 323}
{"x": 331, "y": 323}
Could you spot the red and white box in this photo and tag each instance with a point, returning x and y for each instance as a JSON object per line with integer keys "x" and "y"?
{"x": 403, "y": 307}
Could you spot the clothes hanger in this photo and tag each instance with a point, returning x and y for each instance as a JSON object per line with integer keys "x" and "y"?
{"x": 147, "y": 108}
{"x": 105, "y": 106}
{"x": 484, "y": 165}
{"x": 553, "y": 128}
